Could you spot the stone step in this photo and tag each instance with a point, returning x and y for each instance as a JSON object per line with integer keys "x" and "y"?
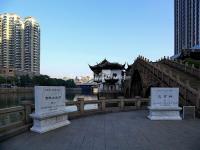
{"x": 194, "y": 82}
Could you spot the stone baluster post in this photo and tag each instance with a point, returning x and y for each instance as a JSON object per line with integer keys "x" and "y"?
{"x": 159, "y": 67}
{"x": 27, "y": 109}
{"x": 78, "y": 105}
{"x": 153, "y": 70}
{"x": 103, "y": 105}
{"x": 186, "y": 65}
{"x": 81, "y": 105}
{"x": 138, "y": 102}
{"x": 199, "y": 72}
{"x": 193, "y": 66}
{"x": 198, "y": 100}
{"x": 169, "y": 77}
{"x": 193, "y": 69}
{"x": 170, "y": 73}
{"x": 178, "y": 78}
{"x": 121, "y": 104}
{"x": 188, "y": 83}
{"x": 162, "y": 73}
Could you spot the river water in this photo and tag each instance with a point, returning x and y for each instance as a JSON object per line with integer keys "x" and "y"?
{"x": 15, "y": 99}
{"x": 86, "y": 96}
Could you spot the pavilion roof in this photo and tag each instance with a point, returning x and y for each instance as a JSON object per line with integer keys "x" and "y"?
{"x": 105, "y": 64}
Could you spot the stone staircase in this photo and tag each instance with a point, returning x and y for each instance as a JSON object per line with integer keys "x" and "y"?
{"x": 174, "y": 74}
{"x": 192, "y": 80}
{"x": 185, "y": 73}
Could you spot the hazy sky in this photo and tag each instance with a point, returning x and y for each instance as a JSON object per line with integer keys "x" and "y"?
{"x": 75, "y": 33}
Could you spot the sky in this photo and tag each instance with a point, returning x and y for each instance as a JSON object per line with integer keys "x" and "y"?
{"x": 75, "y": 33}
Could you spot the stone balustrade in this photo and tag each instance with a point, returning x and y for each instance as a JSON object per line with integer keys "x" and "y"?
{"x": 15, "y": 120}
{"x": 190, "y": 69}
{"x": 106, "y": 105}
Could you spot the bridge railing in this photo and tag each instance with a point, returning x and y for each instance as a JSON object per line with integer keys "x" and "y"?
{"x": 106, "y": 105}
{"x": 15, "y": 120}
{"x": 190, "y": 69}
{"x": 187, "y": 93}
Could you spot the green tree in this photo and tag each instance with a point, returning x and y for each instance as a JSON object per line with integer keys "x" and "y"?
{"x": 70, "y": 83}
{"x": 25, "y": 80}
{"x": 42, "y": 80}
{"x": 2, "y": 80}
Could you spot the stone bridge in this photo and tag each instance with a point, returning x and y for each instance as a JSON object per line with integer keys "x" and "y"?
{"x": 144, "y": 74}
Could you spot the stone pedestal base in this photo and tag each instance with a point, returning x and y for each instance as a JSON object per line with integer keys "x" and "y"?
{"x": 163, "y": 113}
{"x": 46, "y": 122}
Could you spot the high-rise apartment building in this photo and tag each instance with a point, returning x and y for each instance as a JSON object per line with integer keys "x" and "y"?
{"x": 31, "y": 45}
{"x": 11, "y": 41}
{"x": 19, "y": 43}
{"x": 187, "y": 25}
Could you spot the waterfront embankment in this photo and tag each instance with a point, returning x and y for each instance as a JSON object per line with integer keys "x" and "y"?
{"x": 10, "y": 97}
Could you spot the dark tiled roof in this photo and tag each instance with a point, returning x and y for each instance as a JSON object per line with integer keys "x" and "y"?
{"x": 106, "y": 65}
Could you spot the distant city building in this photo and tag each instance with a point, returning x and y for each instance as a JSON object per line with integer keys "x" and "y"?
{"x": 109, "y": 76}
{"x": 82, "y": 79}
{"x": 67, "y": 78}
{"x": 11, "y": 72}
{"x": 19, "y": 44}
{"x": 187, "y": 25}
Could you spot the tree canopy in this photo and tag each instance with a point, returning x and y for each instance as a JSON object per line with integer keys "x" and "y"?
{"x": 42, "y": 80}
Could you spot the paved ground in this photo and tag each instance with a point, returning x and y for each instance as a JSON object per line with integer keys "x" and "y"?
{"x": 115, "y": 131}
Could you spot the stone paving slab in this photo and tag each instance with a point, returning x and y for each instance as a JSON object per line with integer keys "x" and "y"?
{"x": 114, "y": 131}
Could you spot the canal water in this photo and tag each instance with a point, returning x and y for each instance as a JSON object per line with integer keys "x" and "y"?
{"x": 86, "y": 96}
{"x": 16, "y": 99}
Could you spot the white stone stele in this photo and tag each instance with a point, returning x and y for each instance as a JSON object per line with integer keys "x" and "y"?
{"x": 164, "y": 104}
{"x": 50, "y": 112}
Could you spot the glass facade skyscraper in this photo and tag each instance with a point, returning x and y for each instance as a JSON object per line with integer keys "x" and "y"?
{"x": 187, "y": 25}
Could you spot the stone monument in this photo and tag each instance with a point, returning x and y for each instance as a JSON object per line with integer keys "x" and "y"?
{"x": 164, "y": 104}
{"x": 50, "y": 112}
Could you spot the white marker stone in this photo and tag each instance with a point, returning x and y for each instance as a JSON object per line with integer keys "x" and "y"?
{"x": 164, "y": 104}
{"x": 50, "y": 112}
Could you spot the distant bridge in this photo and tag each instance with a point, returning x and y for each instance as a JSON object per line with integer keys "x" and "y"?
{"x": 145, "y": 74}
{"x": 87, "y": 87}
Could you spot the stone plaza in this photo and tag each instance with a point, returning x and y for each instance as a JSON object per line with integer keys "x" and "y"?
{"x": 114, "y": 131}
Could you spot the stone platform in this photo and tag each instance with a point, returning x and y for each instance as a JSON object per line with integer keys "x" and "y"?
{"x": 47, "y": 122}
{"x": 114, "y": 131}
{"x": 165, "y": 113}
